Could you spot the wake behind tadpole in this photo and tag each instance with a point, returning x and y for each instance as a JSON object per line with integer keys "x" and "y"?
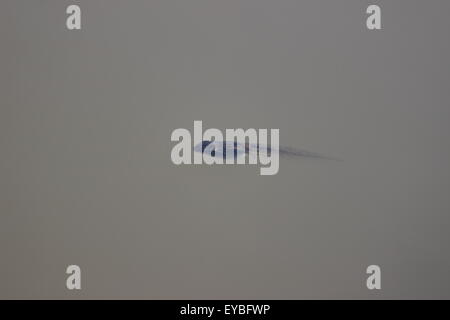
{"x": 289, "y": 152}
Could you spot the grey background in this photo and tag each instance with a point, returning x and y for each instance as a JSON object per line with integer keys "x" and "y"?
{"x": 85, "y": 170}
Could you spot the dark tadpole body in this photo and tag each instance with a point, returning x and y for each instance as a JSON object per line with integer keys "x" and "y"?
{"x": 227, "y": 149}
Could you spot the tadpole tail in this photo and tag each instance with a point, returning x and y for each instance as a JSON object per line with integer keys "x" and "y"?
{"x": 291, "y": 152}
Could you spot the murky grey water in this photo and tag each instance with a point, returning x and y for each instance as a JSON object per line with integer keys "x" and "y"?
{"x": 87, "y": 179}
